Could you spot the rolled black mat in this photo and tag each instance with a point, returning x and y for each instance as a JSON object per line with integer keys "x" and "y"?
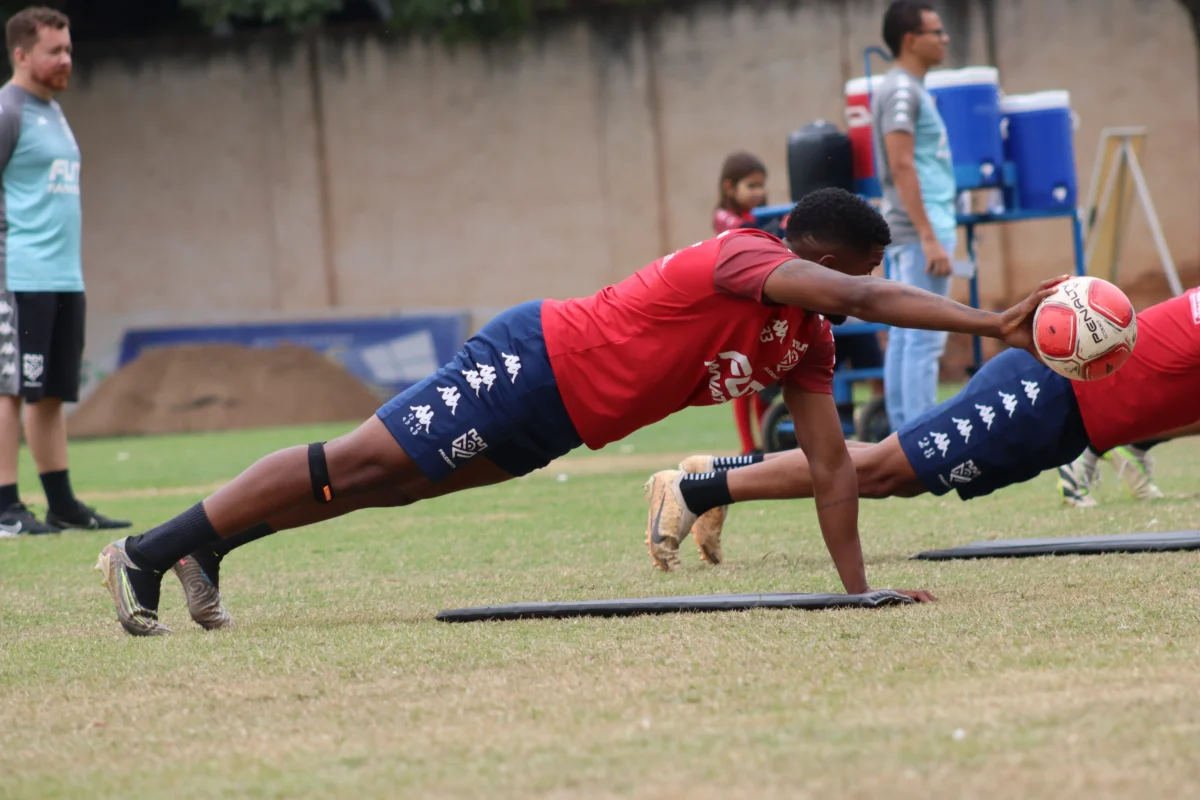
{"x": 669, "y": 605}
{"x": 1070, "y": 546}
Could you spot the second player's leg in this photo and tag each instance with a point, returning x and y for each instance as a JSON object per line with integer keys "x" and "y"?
{"x": 883, "y": 471}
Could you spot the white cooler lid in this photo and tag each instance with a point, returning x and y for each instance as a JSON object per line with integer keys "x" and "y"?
{"x": 967, "y": 76}
{"x": 1038, "y": 101}
{"x": 857, "y": 86}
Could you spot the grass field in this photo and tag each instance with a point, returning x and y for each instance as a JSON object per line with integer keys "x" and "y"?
{"x": 1031, "y": 678}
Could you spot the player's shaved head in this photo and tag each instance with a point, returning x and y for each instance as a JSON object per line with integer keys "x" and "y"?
{"x": 837, "y": 218}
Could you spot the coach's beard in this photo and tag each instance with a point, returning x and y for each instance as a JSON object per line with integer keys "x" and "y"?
{"x": 55, "y": 80}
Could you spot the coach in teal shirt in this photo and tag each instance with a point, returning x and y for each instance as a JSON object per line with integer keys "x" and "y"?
{"x": 916, "y": 173}
{"x": 42, "y": 307}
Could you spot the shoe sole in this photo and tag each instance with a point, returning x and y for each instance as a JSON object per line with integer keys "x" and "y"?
{"x": 707, "y": 533}
{"x": 708, "y": 543}
{"x": 105, "y": 568}
{"x": 663, "y": 556}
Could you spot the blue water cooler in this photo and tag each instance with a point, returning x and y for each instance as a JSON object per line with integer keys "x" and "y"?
{"x": 968, "y": 100}
{"x": 1039, "y": 140}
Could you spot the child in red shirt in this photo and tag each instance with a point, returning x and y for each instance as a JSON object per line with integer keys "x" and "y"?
{"x": 742, "y": 189}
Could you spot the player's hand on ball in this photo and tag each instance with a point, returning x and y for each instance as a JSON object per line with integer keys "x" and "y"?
{"x": 1016, "y": 324}
{"x": 920, "y": 595}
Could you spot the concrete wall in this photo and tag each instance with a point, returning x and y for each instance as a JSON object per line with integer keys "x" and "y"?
{"x": 355, "y": 174}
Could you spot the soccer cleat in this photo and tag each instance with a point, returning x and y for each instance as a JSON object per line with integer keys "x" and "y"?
{"x": 669, "y": 518}
{"x": 17, "y": 519}
{"x": 698, "y": 465}
{"x": 1135, "y": 467}
{"x": 85, "y": 518}
{"x": 707, "y": 528}
{"x": 137, "y": 620}
{"x": 203, "y": 594}
{"x": 1091, "y": 468}
{"x": 1074, "y": 484}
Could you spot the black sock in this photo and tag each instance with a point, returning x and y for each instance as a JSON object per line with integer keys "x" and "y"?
{"x": 705, "y": 491}
{"x": 9, "y": 496}
{"x": 209, "y": 556}
{"x": 733, "y": 462}
{"x": 146, "y": 586}
{"x": 222, "y": 546}
{"x": 157, "y": 549}
{"x": 1146, "y": 444}
{"x": 59, "y": 495}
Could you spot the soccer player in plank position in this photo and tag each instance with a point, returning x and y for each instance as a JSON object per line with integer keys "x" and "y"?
{"x": 713, "y": 321}
{"x": 1014, "y": 419}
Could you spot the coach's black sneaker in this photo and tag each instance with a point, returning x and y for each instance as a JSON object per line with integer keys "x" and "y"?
{"x": 17, "y": 519}
{"x": 84, "y": 518}
{"x": 200, "y": 574}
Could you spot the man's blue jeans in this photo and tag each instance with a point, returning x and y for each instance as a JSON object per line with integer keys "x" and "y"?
{"x": 911, "y": 366}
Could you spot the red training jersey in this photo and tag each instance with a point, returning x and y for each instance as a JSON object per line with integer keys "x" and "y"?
{"x": 690, "y": 329}
{"x": 726, "y": 220}
{"x": 1158, "y": 388}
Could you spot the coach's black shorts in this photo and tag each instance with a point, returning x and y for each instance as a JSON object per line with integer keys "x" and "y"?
{"x": 46, "y": 357}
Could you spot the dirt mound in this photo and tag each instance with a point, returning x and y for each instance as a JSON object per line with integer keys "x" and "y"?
{"x": 221, "y": 387}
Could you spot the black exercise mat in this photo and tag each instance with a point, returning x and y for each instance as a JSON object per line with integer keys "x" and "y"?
{"x": 1071, "y": 546}
{"x": 669, "y": 605}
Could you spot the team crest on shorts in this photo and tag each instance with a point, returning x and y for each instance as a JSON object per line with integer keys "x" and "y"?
{"x": 965, "y": 472}
{"x": 468, "y": 445}
{"x": 32, "y": 366}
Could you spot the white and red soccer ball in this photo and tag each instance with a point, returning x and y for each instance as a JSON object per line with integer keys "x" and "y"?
{"x": 1085, "y": 330}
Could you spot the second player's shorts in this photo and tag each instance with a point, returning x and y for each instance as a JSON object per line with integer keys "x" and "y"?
{"x": 1015, "y": 419}
{"x": 498, "y": 399}
{"x": 41, "y": 344}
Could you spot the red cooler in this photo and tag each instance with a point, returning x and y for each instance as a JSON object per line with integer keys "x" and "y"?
{"x": 858, "y": 121}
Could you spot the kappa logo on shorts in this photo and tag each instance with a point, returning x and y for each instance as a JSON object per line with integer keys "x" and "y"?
{"x": 941, "y": 441}
{"x": 468, "y": 445}
{"x": 964, "y": 428}
{"x": 450, "y": 397}
{"x": 987, "y": 414}
{"x": 482, "y": 377}
{"x": 422, "y": 417}
{"x": 6, "y": 329}
{"x": 5, "y": 308}
{"x": 512, "y": 364}
{"x": 1010, "y": 402}
{"x": 9, "y": 349}
{"x": 32, "y": 366}
{"x": 1032, "y": 390}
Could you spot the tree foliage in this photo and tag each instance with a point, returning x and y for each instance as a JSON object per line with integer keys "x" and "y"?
{"x": 450, "y": 18}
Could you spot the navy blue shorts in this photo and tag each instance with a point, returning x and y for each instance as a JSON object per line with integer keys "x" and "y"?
{"x": 1015, "y": 419}
{"x": 497, "y": 399}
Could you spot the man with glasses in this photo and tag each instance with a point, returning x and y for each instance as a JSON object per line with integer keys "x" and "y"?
{"x": 917, "y": 176}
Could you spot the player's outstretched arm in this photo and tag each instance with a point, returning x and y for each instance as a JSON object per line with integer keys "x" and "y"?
{"x": 816, "y": 288}
{"x": 834, "y": 483}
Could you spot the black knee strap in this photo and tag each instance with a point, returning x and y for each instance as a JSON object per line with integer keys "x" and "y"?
{"x": 318, "y": 471}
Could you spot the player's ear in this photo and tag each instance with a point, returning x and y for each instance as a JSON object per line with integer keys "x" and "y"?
{"x": 828, "y": 260}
